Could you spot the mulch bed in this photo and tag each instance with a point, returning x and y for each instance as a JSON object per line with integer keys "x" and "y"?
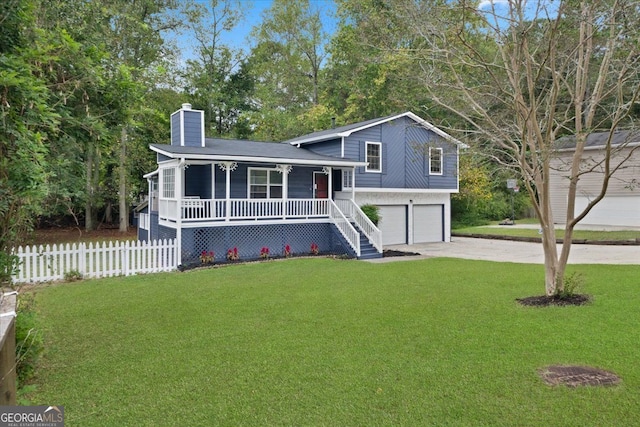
{"x": 574, "y": 376}
{"x": 391, "y": 253}
{"x": 555, "y": 300}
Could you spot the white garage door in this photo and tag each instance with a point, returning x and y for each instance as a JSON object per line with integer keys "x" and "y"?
{"x": 393, "y": 224}
{"x": 427, "y": 223}
{"x": 612, "y": 210}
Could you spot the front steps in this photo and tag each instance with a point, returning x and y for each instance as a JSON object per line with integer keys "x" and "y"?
{"x": 367, "y": 251}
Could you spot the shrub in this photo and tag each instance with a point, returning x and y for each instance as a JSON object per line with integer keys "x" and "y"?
{"x": 29, "y": 344}
{"x": 372, "y": 212}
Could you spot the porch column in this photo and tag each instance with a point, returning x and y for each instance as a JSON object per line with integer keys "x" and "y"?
{"x": 284, "y": 170}
{"x": 228, "y": 167}
{"x": 353, "y": 184}
{"x": 179, "y": 191}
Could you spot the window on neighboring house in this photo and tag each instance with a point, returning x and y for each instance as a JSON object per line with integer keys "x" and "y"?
{"x": 374, "y": 157}
{"x": 435, "y": 161}
{"x": 168, "y": 183}
{"x": 265, "y": 184}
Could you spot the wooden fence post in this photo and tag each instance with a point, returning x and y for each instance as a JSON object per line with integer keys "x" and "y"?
{"x": 8, "y": 349}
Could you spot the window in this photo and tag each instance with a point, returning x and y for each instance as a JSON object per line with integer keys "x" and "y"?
{"x": 168, "y": 183}
{"x": 265, "y": 184}
{"x": 435, "y": 161}
{"x": 347, "y": 177}
{"x": 374, "y": 157}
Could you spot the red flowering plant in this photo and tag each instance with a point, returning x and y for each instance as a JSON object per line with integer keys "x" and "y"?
{"x": 233, "y": 255}
{"x": 287, "y": 251}
{"x": 314, "y": 249}
{"x": 207, "y": 257}
{"x": 264, "y": 252}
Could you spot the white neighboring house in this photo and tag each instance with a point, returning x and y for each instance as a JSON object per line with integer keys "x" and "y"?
{"x": 621, "y": 204}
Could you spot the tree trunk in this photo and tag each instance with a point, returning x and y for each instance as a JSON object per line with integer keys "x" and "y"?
{"x": 88, "y": 206}
{"x": 122, "y": 190}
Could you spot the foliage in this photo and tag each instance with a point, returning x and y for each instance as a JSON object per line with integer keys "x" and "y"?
{"x": 233, "y": 254}
{"x": 264, "y": 252}
{"x": 73, "y": 276}
{"x": 29, "y": 342}
{"x": 409, "y": 342}
{"x": 573, "y": 285}
{"x": 372, "y": 212}
{"x": 207, "y": 257}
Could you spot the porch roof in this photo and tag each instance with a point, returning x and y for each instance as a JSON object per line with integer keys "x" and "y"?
{"x": 235, "y": 150}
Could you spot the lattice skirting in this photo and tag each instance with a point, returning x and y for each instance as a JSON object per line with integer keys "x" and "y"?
{"x": 250, "y": 239}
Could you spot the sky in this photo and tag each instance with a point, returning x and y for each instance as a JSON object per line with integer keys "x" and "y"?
{"x": 239, "y": 36}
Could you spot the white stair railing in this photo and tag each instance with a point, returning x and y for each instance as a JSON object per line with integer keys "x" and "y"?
{"x": 347, "y": 230}
{"x": 369, "y": 229}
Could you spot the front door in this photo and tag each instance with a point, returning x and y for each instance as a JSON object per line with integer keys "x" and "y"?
{"x": 320, "y": 185}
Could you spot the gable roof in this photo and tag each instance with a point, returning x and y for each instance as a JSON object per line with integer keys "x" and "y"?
{"x": 599, "y": 140}
{"x": 250, "y": 151}
{"x": 345, "y": 131}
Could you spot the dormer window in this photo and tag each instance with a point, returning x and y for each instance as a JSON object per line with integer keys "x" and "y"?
{"x": 374, "y": 157}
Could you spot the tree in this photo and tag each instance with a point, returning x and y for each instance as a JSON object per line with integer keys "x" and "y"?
{"x": 287, "y": 62}
{"x": 217, "y": 80}
{"x": 26, "y": 120}
{"x": 522, "y": 74}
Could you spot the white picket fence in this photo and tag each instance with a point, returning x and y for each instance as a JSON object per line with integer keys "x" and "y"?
{"x": 106, "y": 259}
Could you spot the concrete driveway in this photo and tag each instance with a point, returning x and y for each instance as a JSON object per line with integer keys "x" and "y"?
{"x": 521, "y": 252}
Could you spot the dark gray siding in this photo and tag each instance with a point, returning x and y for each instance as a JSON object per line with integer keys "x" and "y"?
{"x": 405, "y": 157}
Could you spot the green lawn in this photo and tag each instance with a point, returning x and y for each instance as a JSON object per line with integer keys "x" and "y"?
{"x": 337, "y": 343}
{"x": 506, "y": 230}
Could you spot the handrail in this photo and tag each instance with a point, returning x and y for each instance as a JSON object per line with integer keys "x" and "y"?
{"x": 347, "y": 230}
{"x": 368, "y": 228}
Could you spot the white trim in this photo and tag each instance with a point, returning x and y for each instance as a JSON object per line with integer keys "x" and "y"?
{"x": 403, "y": 190}
{"x": 441, "y": 161}
{"x": 300, "y": 162}
{"x": 366, "y": 156}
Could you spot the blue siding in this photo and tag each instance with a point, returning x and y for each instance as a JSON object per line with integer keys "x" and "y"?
{"x": 300, "y": 181}
{"x": 175, "y": 128}
{"x": 193, "y": 136}
{"x": 405, "y": 151}
{"x": 198, "y": 181}
{"x": 162, "y": 158}
{"x": 328, "y": 148}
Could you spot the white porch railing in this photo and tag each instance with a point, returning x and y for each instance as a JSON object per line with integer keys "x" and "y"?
{"x": 201, "y": 210}
{"x": 347, "y": 230}
{"x": 46, "y": 263}
{"x": 353, "y": 211}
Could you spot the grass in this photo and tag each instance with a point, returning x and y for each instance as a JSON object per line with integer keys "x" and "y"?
{"x": 326, "y": 342}
{"x": 533, "y": 232}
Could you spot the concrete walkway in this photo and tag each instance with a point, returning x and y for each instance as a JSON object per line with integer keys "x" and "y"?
{"x": 521, "y": 252}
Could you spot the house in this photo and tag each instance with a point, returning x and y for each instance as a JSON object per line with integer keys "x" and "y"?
{"x": 217, "y": 194}
{"x": 621, "y": 204}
